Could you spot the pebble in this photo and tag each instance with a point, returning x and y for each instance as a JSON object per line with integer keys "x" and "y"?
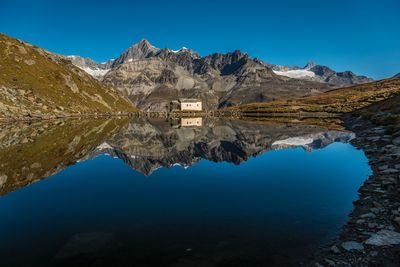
{"x": 384, "y": 167}
{"x": 335, "y": 249}
{"x": 3, "y": 180}
{"x": 390, "y": 171}
{"x": 374, "y": 253}
{"x": 396, "y": 141}
{"x": 330, "y": 262}
{"x": 397, "y": 221}
{"x": 375, "y": 210}
{"x": 35, "y": 165}
{"x": 368, "y": 215}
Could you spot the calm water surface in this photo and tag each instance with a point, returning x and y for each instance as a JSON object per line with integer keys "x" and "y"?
{"x": 133, "y": 193}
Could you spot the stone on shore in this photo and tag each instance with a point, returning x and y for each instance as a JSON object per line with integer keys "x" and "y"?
{"x": 384, "y": 238}
{"x": 396, "y": 141}
{"x": 352, "y": 245}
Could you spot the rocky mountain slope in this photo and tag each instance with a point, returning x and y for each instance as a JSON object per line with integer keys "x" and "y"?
{"x": 319, "y": 73}
{"x": 37, "y": 83}
{"x": 340, "y": 100}
{"x": 397, "y": 75}
{"x": 151, "y": 77}
{"x": 97, "y": 70}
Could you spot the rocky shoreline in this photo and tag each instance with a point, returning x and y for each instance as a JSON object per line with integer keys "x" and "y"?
{"x": 28, "y": 118}
{"x": 371, "y": 237}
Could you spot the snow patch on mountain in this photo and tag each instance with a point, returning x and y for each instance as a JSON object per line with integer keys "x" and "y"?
{"x": 294, "y": 141}
{"x": 298, "y": 74}
{"x": 179, "y": 50}
{"x": 96, "y": 72}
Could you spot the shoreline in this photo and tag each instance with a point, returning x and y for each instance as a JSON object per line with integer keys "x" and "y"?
{"x": 371, "y": 236}
{"x": 61, "y": 117}
{"x": 184, "y": 114}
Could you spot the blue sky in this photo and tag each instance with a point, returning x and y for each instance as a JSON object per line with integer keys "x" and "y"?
{"x": 363, "y": 36}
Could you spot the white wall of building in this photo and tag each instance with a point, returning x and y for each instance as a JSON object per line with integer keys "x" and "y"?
{"x": 185, "y": 122}
{"x": 191, "y": 106}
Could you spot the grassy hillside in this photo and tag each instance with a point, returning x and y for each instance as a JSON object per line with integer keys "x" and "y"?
{"x": 335, "y": 101}
{"x": 385, "y": 113}
{"x": 35, "y": 82}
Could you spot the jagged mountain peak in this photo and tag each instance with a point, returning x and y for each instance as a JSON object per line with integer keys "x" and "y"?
{"x": 141, "y": 50}
{"x": 144, "y": 43}
{"x": 310, "y": 64}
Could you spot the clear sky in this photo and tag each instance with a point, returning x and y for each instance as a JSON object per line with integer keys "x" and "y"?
{"x": 363, "y": 36}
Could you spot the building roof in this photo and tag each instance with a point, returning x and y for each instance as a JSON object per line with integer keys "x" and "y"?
{"x": 189, "y": 100}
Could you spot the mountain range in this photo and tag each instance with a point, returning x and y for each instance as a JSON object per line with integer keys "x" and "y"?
{"x": 38, "y": 83}
{"x": 151, "y": 77}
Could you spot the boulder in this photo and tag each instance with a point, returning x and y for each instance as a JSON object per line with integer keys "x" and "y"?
{"x": 352, "y": 245}
{"x": 384, "y": 238}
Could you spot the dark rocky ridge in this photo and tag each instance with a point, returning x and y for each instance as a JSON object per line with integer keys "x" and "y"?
{"x": 340, "y": 79}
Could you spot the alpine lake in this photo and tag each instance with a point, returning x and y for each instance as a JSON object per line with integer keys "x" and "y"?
{"x": 184, "y": 192}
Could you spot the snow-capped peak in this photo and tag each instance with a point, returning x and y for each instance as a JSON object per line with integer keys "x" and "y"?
{"x": 179, "y": 50}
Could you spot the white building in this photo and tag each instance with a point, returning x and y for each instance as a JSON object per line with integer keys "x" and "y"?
{"x": 190, "y": 104}
{"x": 185, "y": 122}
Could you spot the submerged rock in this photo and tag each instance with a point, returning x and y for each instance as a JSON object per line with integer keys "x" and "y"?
{"x": 384, "y": 238}
{"x": 86, "y": 244}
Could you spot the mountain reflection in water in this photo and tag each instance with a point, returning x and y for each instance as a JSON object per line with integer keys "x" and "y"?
{"x": 225, "y": 219}
{"x": 31, "y": 152}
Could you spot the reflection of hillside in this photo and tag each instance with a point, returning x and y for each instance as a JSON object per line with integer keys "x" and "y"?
{"x": 148, "y": 146}
{"x": 30, "y": 152}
